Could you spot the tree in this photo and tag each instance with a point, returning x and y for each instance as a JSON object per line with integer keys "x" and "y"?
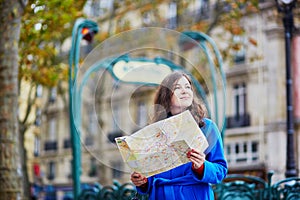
{"x": 10, "y": 168}
{"x": 223, "y": 13}
{"x": 45, "y": 26}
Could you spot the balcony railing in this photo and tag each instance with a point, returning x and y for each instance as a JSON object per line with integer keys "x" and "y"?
{"x": 239, "y": 59}
{"x": 50, "y": 146}
{"x": 238, "y": 121}
{"x": 50, "y": 176}
{"x": 67, "y": 143}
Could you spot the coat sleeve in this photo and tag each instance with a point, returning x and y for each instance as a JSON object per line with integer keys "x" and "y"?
{"x": 145, "y": 190}
{"x": 215, "y": 165}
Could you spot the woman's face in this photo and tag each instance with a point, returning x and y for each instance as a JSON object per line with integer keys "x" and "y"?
{"x": 182, "y": 96}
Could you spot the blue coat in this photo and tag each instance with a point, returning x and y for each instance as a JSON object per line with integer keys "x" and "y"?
{"x": 182, "y": 183}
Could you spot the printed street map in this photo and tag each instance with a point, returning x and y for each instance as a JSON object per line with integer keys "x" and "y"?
{"x": 162, "y": 145}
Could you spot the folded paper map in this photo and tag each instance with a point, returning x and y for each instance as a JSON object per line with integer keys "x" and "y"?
{"x": 162, "y": 145}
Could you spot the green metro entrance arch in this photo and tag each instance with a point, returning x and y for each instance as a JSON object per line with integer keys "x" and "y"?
{"x": 129, "y": 69}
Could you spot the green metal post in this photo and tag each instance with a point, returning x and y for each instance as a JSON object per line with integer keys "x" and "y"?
{"x": 202, "y": 40}
{"x": 73, "y": 68}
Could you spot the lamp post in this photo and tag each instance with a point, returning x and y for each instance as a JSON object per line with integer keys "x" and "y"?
{"x": 204, "y": 41}
{"x": 83, "y": 29}
{"x": 286, "y": 7}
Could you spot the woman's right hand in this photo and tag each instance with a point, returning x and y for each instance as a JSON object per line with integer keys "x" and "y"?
{"x": 138, "y": 179}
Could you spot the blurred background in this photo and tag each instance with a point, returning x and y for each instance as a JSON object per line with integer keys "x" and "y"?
{"x": 259, "y": 41}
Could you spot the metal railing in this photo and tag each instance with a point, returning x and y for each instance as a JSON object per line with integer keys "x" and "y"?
{"x": 233, "y": 187}
{"x": 116, "y": 191}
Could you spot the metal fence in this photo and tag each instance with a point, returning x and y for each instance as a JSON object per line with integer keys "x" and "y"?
{"x": 243, "y": 187}
{"x": 233, "y": 187}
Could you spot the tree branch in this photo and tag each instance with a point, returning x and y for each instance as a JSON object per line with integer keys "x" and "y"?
{"x": 219, "y": 11}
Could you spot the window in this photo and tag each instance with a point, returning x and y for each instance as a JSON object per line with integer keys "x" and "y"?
{"x": 93, "y": 167}
{"x": 39, "y": 91}
{"x": 239, "y": 52}
{"x": 52, "y": 124}
{"x": 38, "y": 117}
{"x": 172, "y": 15}
{"x": 105, "y": 7}
{"x": 240, "y": 117}
{"x": 93, "y": 123}
{"x": 116, "y": 118}
{"x": 239, "y": 93}
{"x": 89, "y": 140}
{"x": 67, "y": 143}
{"x": 116, "y": 84}
{"x": 97, "y": 8}
{"x": 254, "y": 150}
{"x": 51, "y": 170}
{"x": 202, "y": 9}
{"x": 53, "y": 95}
{"x": 117, "y": 169}
{"x": 147, "y": 18}
{"x": 116, "y": 131}
{"x": 37, "y": 143}
{"x": 243, "y": 152}
{"x": 142, "y": 114}
{"x": 69, "y": 168}
{"x": 51, "y": 143}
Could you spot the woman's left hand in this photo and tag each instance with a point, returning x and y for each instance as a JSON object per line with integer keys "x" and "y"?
{"x": 196, "y": 157}
{"x": 138, "y": 179}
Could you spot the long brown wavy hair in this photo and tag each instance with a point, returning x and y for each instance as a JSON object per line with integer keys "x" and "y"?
{"x": 162, "y": 100}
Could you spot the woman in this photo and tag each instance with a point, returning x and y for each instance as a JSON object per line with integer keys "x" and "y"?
{"x": 191, "y": 180}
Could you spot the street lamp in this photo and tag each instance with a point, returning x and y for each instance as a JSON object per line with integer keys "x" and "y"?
{"x": 83, "y": 29}
{"x": 204, "y": 41}
{"x": 286, "y": 7}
